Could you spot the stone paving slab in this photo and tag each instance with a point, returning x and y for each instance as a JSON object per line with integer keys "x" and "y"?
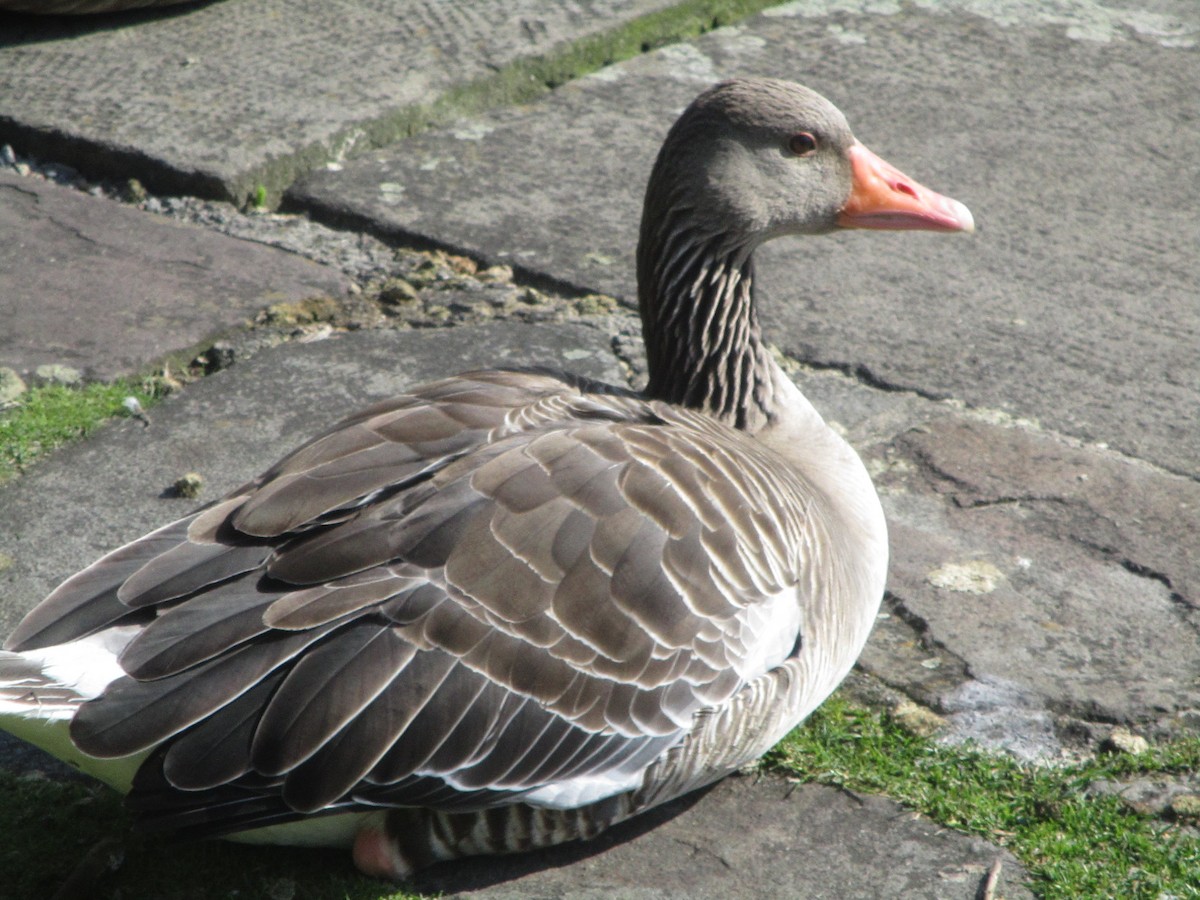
{"x": 214, "y": 99}
{"x": 1068, "y": 127}
{"x": 745, "y": 838}
{"x": 750, "y": 838}
{"x": 105, "y": 288}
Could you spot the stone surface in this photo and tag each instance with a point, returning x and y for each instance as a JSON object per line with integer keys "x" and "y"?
{"x": 1098, "y": 627}
{"x": 749, "y": 838}
{"x": 214, "y": 99}
{"x": 1144, "y": 518}
{"x": 1095, "y": 613}
{"x": 1067, "y": 127}
{"x": 101, "y": 287}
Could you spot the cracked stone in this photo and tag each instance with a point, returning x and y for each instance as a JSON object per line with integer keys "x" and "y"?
{"x": 1125, "y": 509}
{"x": 1089, "y": 608}
{"x": 1090, "y": 639}
{"x": 899, "y": 654}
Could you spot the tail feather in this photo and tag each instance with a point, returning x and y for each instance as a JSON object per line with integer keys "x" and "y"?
{"x": 41, "y": 690}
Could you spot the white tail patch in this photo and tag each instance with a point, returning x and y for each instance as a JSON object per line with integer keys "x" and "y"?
{"x": 40, "y": 690}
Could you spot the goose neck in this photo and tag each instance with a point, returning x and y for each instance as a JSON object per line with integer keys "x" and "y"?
{"x": 704, "y": 345}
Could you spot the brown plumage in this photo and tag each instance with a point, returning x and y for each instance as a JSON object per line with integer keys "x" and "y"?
{"x": 510, "y": 608}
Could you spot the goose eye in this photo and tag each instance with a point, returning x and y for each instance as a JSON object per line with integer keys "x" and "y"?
{"x": 802, "y": 144}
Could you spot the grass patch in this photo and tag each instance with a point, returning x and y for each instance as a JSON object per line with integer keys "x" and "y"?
{"x": 47, "y": 417}
{"x": 1072, "y": 844}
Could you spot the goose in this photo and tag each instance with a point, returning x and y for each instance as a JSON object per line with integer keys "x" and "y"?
{"x": 509, "y": 608}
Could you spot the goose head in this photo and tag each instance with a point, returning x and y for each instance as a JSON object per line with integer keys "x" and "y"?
{"x": 756, "y": 158}
{"x": 750, "y": 160}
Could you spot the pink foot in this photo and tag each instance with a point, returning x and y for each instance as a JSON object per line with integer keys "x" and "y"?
{"x": 376, "y": 855}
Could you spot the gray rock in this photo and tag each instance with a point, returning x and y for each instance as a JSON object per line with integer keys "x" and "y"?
{"x": 1122, "y": 740}
{"x": 1094, "y": 614}
{"x": 1149, "y": 796}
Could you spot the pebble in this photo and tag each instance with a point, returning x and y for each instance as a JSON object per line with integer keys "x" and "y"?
{"x": 189, "y": 485}
{"x": 220, "y": 355}
{"x": 11, "y": 386}
{"x": 1122, "y": 740}
{"x": 8, "y": 156}
{"x": 1186, "y": 806}
{"x": 60, "y": 174}
{"x": 917, "y": 720}
{"x": 133, "y": 191}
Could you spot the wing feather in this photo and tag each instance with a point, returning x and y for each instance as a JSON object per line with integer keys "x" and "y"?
{"x": 325, "y": 689}
{"x": 216, "y": 751}
{"x": 87, "y": 601}
{"x": 191, "y": 633}
{"x": 134, "y": 716}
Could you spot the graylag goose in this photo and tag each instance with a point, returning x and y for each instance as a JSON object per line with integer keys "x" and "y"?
{"x": 510, "y": 608}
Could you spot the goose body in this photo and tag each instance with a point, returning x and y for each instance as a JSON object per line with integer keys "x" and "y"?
{"x": 509, "y": 608}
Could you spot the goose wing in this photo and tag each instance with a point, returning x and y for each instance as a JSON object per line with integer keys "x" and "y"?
{"x": 496, "y": 587}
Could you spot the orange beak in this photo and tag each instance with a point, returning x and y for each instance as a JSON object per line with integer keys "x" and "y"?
{"x": 884, "y": 197}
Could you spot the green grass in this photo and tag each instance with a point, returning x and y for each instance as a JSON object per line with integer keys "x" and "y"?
{"x": 47, "y": 417}
{"x": 1073, "y": 845}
